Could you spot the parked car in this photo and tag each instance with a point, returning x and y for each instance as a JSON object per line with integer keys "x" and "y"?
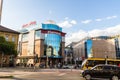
{"x": 68, "y": 66}
{"x": 111, "y": 72}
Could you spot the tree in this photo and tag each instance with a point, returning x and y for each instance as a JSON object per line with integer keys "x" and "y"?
{"x": 2, "y": 39}
{"x": 7, "y": 48}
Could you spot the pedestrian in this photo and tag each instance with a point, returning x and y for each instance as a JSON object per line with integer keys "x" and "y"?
{"x": 119, "y": 64}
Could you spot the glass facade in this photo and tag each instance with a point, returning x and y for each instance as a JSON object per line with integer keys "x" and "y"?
{"x": 88, "y": 46}
{"x": 117, "y": 47}
{"x": 52, "y": 41}
{"x": 51, "y": 27}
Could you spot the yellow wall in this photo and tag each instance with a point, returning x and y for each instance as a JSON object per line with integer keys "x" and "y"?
{"x": 10, "y": 35}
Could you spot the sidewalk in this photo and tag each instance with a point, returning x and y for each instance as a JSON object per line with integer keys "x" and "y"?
{"x": 36, "y": 70}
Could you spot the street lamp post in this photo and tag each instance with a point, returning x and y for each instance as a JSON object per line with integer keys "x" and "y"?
{"x": 2, "y": 59}
{"x": 47, "y": 56}
{"x": 47, "y": 61}
{"x": 106, "y": 59}
{"x": 71, "y": 61}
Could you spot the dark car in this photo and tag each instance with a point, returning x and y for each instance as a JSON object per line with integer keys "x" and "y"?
{"x": 111, "y": 72}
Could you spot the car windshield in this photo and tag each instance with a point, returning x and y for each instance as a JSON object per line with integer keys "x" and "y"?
{"x": 93, "y": 67}
{"x": 97, "y": 68}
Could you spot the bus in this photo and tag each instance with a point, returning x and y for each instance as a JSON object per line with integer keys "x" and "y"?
{"x": 91, "y": 62}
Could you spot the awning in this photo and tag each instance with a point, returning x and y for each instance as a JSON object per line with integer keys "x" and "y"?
{"x": 19, "y": 57}
{"x": 52, "y": 56}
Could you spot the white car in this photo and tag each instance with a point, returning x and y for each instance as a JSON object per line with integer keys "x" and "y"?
{"x": 68, "y": 66}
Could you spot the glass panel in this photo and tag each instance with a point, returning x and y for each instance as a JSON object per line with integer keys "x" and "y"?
{"x": 51, "y": 27}
{"x": 37, "y": 34}
{"x": 89, "y": 48}
{"x": 52, "y": 41}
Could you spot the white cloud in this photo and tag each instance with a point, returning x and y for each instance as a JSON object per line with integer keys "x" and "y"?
{"x": 86, "y": 21}
{"x": 66, "y": 18}
{"x": 98, "y": 19}
{"x": 73, "y": 22}
{"x": 67, "y": 24}
{"x": 77, "y": 36}
{"x": 111, "y": 17}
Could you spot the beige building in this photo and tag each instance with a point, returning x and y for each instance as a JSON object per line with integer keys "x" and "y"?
{"x": 9, "y": 35}
{"x": 97, "y": 47}
{"x": 102, "y": 48}
{"x": 79, "y": 51}
{"x": 44, "y": 45}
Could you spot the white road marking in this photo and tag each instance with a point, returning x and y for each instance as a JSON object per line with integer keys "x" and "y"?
{"x": 61, "y": 74}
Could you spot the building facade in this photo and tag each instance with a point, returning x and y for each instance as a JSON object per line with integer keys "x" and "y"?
{"x": 97, "y": 47}
{"x": 100, "y": 47}
{"x": 117, "y": 46}
{"x": 44, "y": 45}
{"x": 9, "y": 35}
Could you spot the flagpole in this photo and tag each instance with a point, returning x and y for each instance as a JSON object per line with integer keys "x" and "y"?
{"x": 1, "y": 5}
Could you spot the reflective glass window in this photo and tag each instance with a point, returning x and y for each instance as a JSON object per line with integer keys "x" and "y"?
{"x": 53, "y": 41}
{"x": 89, "y": 48}
{"x": 51, "y": 27}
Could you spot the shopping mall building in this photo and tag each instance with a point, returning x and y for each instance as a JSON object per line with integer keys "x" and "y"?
{"x": 97, "y": 47}
{"x": 43, "y": 44}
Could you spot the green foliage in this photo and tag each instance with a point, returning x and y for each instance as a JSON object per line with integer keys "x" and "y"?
{"x": 7, "y": 47}
{"x": 2, "y": 39}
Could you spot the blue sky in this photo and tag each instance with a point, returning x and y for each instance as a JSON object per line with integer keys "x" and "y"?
{"x": 78, "y": 18}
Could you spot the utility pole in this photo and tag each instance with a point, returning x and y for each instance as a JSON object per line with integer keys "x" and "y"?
{"x": 47, "y": 56}
{"x": 106, "y": 59}
{"x": 2, "y": 59}
{"x": 71, "y": 56}
{"x": 1, "y": 4}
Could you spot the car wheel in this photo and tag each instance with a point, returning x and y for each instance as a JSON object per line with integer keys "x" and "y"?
{"x": 87, "y": 77}
{"x": 114, "y": 78}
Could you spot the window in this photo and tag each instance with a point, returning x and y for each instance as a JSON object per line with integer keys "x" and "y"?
{"x": 24, "y": 37}
{"x": 98, "y": 68}
{"x": 53, "y": 40}
{"x": 107, "y": 67}
{"x": 13, "y": 38}
{"x": 7, "y": 37}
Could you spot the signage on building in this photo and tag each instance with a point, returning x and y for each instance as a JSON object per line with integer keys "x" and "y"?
{"x": 29, "y": 24}
{"x": 53, "y": 32}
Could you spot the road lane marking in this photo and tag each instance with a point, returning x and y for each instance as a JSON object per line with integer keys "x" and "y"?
{"x": 61, "y": 74}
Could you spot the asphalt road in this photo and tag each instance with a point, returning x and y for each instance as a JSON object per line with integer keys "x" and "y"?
{"x": 43, "y": 75}
{"x": 50, "y": 76}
